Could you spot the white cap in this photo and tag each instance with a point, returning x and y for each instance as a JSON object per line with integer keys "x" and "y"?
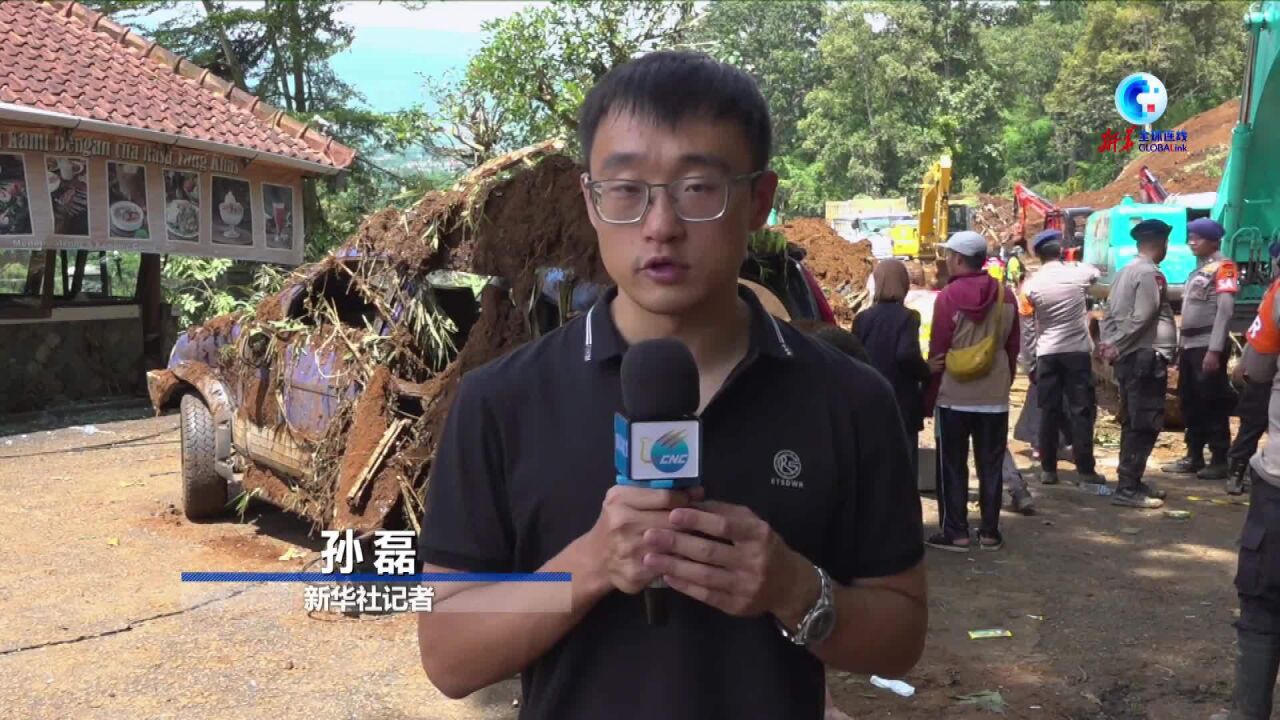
{"x": 967, "y": 242}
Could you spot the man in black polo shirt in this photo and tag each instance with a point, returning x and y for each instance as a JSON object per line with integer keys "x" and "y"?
{"x": 806, "y": 494}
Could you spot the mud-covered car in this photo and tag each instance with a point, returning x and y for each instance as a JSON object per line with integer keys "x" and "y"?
{"x": 328, "y": 399}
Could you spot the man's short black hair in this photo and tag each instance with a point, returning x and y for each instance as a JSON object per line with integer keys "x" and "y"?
{"x": 670, "y": 86}
{"x": 1048, "y": 251}
{"x": 973, "y": 262}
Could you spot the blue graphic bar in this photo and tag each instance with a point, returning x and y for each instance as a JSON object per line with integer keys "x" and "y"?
{"x": 537, "y": 577}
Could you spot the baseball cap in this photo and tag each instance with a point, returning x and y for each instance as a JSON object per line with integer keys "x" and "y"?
{"x": 1045, "y": 236}
{"x": 967, "y": 242}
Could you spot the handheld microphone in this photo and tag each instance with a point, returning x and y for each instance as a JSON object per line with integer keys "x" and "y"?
{"x": 658, "y": 442}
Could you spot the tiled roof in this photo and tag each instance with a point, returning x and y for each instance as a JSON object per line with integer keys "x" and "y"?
{"x": 65, "y": 58}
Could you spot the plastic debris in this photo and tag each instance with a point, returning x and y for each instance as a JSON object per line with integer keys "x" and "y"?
{"x": 1104, "y": 490}
{"x": 992, "y": 633}
{"x": 1036, "y": 617}
{"x": 986, "y": 700}
{"x": 896, "y": 686}
{"x": 86, "y": 429}
{"x": 1178, "y": 514}
{"x": 292, "y": 553}
{"x": 113, "y": 542}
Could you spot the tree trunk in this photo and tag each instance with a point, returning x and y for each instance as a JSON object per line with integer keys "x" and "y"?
{"x": 312, "y": 211}
{"x": 228, "y": 53}
{"x": 297, "y": 57}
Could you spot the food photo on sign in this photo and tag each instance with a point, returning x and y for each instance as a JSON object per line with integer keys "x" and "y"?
{"x": 182, "y": 206}
{"x": 277, "y": 206}
{"x": 68, "y": 179}
{"x": 127, "y": 200}
{"x": 232, "y": 212}
{"x": 15, "y": 207}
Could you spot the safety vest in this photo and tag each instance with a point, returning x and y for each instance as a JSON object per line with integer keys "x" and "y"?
{"x": 1264, "y": 334}
{"x": 994, "y": 268}
{"x": 922, "y": 302}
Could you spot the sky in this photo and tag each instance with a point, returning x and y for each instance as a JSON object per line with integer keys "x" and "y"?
{"x": 394, "y": 47}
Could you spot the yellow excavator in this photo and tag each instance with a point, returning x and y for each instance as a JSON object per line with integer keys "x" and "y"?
{"x": 940, "y": 214}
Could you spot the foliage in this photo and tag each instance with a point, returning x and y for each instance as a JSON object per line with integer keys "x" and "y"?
{"x": 1195, "y": 47}
{"x": 777, "y": 42}
{"x": 901, "y": 92}
{"x": 864, "y": 95}
{"x": 526, "y": 83}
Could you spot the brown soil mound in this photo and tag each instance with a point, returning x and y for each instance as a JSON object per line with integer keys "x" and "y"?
{"x": 841, "y": 267}
{"x": 1196, "y": 170}
{"x": 994, "y": 216}
{"x": 506, "y": 218}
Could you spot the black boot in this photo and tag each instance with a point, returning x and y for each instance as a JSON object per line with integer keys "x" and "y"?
{"x": 1237, "y": 478}
{"x": 1184, "y": 466}
{"x": 1216, "y": 470}
{"x": 1256, "y": 665}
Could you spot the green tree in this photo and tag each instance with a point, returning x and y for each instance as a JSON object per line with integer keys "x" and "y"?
{"x": 1025, "y": 50}
{"x": 528, "y": 80}
{"x": 908, "y": 81}
{"x": 777, "y": 42}
{"x": 1194, "y": 47}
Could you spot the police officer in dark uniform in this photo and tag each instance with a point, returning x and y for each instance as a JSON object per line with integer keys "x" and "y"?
{"x": 1139, "y": 337}
{"x": 1203, "y": 388}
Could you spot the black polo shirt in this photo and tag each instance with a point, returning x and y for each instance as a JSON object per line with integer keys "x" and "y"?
{"x": 808, "y": 438}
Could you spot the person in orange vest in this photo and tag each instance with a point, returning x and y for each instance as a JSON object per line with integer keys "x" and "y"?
{"x": 1257, "y": 578}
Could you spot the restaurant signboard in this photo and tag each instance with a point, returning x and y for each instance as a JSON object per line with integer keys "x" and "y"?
{"x": 65, "y": 190}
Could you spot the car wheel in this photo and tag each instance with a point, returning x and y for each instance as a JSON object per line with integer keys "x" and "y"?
{"x": 204, "y": 492}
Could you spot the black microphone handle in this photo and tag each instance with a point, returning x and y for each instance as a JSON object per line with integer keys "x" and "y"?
{"x": 655, "y": 603}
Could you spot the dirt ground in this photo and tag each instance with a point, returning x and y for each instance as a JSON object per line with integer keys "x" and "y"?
{"x": 1115, "y": 613}
{"x": 95, "y": 623}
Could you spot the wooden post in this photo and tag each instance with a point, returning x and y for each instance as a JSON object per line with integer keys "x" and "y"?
{"x": 149, "y": 297}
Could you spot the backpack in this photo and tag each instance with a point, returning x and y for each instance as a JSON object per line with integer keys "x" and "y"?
{"x": 974, "y": 360}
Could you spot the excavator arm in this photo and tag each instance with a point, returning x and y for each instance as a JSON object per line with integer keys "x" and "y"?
{"x": 1055, "y": 218}
{"x": 1149, "y": 184}
{"x": 1248, "y": 201}
{"x": 935, "y": 198}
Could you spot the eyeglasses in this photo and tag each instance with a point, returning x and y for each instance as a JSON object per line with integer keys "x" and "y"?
{"x": 695, "y": 199}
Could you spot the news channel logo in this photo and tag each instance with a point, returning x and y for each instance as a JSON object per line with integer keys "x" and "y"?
{"x": 669, "y": 453}
{"x": 1141, "y": 98}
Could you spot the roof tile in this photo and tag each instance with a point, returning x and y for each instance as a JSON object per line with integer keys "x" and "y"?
{"x": 52, "y": 58}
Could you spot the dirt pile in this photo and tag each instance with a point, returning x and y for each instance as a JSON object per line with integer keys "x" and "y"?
{"x": 841, "y": 267}
{"x": 993, "y": 217}
{"x": 1199, "y": 169}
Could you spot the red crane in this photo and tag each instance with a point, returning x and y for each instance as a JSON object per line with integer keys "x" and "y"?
{"x": 1055, "y": 218}
{"x": 1152, "y": 190}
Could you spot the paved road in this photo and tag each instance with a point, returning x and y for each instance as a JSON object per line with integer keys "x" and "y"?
{"x": 94, "y": 622}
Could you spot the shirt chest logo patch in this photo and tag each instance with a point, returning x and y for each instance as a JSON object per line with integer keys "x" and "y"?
{"x": 786, "y": 469}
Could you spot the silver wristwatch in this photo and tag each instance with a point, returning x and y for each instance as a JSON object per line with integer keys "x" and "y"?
{"x": 821, "y": 618}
